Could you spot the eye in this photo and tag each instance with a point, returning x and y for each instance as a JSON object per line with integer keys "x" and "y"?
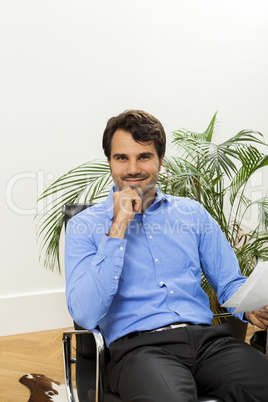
{"x": 144, "y": 157}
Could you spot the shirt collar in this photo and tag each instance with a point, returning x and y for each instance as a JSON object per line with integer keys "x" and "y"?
{"x": 160, "y": 197}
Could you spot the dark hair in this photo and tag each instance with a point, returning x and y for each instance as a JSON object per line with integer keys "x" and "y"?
{"x": 141, "y": 125}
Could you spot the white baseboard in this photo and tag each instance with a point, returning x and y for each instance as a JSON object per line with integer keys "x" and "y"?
{"x": 32, "y": 312}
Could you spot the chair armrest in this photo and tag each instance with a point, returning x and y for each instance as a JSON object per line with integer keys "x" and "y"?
{"x": 219, "y": 315}
{"x": 259, "y": 340}
{"x": 68, "y": 361}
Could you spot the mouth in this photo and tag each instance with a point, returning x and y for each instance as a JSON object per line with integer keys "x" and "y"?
{"x": 134, "y": 182}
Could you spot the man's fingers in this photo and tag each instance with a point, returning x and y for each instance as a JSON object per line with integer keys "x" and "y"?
{"x": 259, "y": 318}
{"x": 137, "y": 203}
{"x": 126, "y": 203}
{"x": 132, "y": 194}
{"x": 262, "y": 316}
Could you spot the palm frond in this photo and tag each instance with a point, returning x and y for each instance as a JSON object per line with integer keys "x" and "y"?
{"x": 253, "y": 250}
{"x": 85, "y": 183}
{"x": 180, "y": 178}
{"x": 246, "y": 137}
{"x": 252, "y": 160}
{"x": 213, "y": 199}
{"x": 185, "y": 138}
{"x": 262, "y": 204}
{"x": 217, "y": 159}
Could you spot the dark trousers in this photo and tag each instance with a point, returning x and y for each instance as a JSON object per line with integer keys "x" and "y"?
{"x": 180, "y": 364}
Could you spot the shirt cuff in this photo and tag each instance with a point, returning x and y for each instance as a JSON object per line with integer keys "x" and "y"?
{"x": 112, "y": 247}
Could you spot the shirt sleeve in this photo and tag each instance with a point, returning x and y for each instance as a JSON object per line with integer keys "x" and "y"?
{"x": 92, "y": 273}
{"x": 218, "y": 260}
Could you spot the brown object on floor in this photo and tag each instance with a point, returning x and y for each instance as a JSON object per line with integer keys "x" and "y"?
{"x": 42, "y": 388}
{"x": 38, "y": 352}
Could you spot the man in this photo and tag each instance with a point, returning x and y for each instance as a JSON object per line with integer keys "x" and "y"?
{"x": 133, "y": 267}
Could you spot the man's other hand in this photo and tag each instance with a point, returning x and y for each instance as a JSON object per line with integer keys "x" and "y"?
{"x": 258, "y": 318}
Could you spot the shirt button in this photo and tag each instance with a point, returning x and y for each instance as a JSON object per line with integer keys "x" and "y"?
{"x": 144, "y": 216}
{"x": 171, "y": 292}
{"x": 121, "y": 248}
{"x": 150, "y": 237}
{"x": 156, "y": 260}
{"x": 116, "y": 277}
{"x": 161, "y": 283}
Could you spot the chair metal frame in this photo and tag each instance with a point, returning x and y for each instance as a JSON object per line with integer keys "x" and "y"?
{"x": 68, "y": 360}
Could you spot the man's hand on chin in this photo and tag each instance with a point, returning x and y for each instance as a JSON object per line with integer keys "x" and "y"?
{"x": 258, "y": 318}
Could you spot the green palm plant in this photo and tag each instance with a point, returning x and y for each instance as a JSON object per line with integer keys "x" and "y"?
{"x": 88, "y": 182}
{"x": 216, "y": 175}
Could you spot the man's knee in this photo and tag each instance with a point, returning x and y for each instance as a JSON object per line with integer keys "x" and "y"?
{"x": 152, "y": 374}
{"x": 128, "y": 370}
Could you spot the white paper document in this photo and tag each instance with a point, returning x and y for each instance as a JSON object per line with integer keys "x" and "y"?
{"x": 253, "y": 294}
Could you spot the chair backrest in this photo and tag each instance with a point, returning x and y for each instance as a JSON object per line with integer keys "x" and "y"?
{"x": 259, "y": 340}
{"x": 70, "y": 210}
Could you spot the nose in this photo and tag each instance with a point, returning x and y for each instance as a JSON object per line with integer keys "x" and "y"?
{"x": 133, "y": 167}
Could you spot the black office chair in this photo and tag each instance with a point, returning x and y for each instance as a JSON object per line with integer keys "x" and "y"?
{"x": 92, "y": 356}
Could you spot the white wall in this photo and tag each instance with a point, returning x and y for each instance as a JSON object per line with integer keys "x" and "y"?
{"x": 67, "y": 66}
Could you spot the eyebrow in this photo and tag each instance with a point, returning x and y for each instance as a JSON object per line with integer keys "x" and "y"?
{"x": 125, "y": 155}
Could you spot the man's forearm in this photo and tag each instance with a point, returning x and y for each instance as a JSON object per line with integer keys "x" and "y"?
{"x": 118, "y": 230}
{"x": 92, "y": 277}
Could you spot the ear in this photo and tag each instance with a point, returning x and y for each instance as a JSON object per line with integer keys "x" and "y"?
{"x": 161, "y": 162}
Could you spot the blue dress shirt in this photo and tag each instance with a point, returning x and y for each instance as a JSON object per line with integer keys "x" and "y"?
{"x": 152, "y": 277}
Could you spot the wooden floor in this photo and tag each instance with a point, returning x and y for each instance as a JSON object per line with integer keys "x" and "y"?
{"x": 34, "y": 353}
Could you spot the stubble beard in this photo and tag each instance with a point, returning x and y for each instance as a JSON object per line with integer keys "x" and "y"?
{"x": 142, "y": 192}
